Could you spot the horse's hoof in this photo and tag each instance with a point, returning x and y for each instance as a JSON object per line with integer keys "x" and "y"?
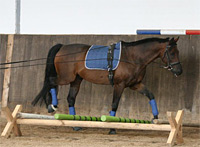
{"x": 51, "y": 108}
{"x": 112, "y": 131}
{"x": 77, "y": 128}
{"x": 154, "y": 121}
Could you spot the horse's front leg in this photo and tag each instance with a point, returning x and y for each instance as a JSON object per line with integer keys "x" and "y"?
{"x": 118, "y": 90}
{"x": 71, "y": 98}
{"x": 141, "y": 88}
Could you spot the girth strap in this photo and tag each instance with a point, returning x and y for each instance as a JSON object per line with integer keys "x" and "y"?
{"x": 110, "y": 63}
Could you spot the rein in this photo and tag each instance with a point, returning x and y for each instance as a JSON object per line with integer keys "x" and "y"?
{"x": 166, "y": 54}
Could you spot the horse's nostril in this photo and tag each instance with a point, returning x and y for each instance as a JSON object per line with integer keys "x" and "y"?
{"x": 179, "y": 72}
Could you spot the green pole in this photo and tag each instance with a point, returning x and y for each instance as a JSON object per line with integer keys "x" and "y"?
{"x": 106, "y": 118}
{"x": 76, "y": 117}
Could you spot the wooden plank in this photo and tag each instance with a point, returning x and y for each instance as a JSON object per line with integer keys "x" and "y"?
{"x": 191, "y": 80}
{"x": 16, "y": 127}
{"x": 7, "y": 130}
{"x": 17, "y": 73}
{"x": 27, "y": 75}
{"x": 3, "y": 43}
{"x": 7, "y": 73}
{"x": 129, "y": 126}
{"x": 175, "y": 125}
{"x": 179, "y": 118}
{"x": 12, "y": 124}
{"x": 179, "y": 138}
{"x": 172, "y": 120}
{"x": 171, "y": 137}
{"x": 185, "y": 124}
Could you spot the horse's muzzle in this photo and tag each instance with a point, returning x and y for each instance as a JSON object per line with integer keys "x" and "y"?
{"x": 177, "y": 70}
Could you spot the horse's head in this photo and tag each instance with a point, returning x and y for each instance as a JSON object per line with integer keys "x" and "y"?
{"x": 170, "y": 57}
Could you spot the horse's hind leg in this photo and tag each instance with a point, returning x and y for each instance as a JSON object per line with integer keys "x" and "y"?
{"x": 53, "y": 101}
{"x": 141, "y": 88}
{"x": 118, "y": 90}
{"x": 73, "y": 91}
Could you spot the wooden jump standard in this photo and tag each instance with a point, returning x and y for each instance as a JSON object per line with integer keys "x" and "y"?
{"x": 174, "y": 126}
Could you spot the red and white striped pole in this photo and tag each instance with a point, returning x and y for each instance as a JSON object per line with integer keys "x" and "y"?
{"x": 168, "y": 32}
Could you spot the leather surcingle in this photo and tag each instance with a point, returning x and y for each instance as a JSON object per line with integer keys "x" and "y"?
{"x": 110, "y": 63}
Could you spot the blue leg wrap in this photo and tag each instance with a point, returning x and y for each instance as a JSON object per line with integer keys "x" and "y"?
{"x": 154, "y": 107}
{"x": 54, "y": 97}
{"x": 112, "y": 113}
{"x": 72, "y": 111}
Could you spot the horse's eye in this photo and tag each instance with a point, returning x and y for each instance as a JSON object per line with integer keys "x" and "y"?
{"x": 172, "y": 54}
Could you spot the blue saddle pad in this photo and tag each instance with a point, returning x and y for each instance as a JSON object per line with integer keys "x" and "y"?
{"x": 96, "y": 57}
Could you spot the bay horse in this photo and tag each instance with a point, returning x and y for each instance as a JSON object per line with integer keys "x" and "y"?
{"x": 65, "y": 65}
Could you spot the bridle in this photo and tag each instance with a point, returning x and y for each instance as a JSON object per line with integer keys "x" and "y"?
{"x": 167, "y": 54}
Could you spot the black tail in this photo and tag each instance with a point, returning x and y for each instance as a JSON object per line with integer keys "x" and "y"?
{"x": 50, "y": 76}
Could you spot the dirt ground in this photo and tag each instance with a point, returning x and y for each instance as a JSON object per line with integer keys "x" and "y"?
{"x": 40, "y": 136}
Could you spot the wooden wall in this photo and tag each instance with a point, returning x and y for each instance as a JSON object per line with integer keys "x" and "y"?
{"x": 171, "y": 93}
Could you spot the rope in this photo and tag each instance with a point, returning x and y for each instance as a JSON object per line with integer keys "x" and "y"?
{"x": 41, "y": 64}
{"x": 23, "y": 61}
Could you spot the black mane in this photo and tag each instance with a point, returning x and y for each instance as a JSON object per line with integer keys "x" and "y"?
{"x": 160, "y": 40}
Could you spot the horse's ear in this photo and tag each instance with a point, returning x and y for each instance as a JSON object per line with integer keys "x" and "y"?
{"x": 176, "y": 39}
{"x": 172, "y": 39}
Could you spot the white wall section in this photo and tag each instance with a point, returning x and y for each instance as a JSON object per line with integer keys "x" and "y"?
{"x": 7, "y": 16}
{"x": 103, "y": 16}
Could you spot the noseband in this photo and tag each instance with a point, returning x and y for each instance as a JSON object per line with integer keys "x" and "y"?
{"x": 167, "y": 54}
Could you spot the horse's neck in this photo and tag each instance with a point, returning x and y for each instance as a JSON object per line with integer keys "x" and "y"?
{"x": 147, "y": 54}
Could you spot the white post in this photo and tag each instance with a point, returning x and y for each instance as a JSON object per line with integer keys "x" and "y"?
{"x": 17, "y": 16}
